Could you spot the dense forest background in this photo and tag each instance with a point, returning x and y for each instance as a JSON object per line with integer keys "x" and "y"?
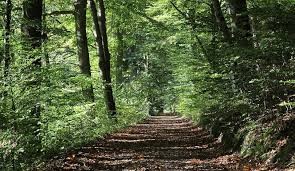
{"x": 74, "y": 71}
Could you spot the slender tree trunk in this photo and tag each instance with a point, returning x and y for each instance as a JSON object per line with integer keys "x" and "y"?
{"x": 102, "y": 16}
{"x": 241, "y": 22}
{"x": 104, "y": 55}
{"x": 204, "y": 50}
{"x": 45, "y": 38}
{"x": 7, "y": 51}
{"x": 220, "y": 20}
{"x": 82, "y": 45}
{"x": 32, "y": 31}
{"x": 241, "y": 27}
{"x": 7, "y": 27}
{"x": 147, "y": 74}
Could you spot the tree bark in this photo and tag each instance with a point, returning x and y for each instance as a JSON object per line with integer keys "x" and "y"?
{"x": 220, "y": 20}
{"x": 104, "y": 55}
{"x": 7, "y": 51}
{"x": 32, "y": 32}
{"x": 32, "y": 27}
{"x": 82, "y": 45}
{"x": 241, "y": 22}
{"x": 7, "y": 27}
{"x": 45, "y": 37}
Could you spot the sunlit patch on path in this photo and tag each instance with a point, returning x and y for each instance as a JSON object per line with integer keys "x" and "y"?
{"x": 158, "y": 143}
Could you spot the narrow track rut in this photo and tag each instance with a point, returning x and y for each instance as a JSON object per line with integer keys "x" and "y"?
{"x": 158, "y": 143}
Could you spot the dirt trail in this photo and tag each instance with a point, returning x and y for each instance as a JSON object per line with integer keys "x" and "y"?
{"x": 158, "y": 143}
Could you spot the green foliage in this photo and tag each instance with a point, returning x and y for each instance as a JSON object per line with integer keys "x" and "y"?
{"x": 66, "y": 120}
{"x": 168, "y": 63}
{"x": 235, "y": 86}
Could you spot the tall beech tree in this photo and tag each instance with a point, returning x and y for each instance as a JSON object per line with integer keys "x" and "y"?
{"x": 32, "y": 33}
{"x": 82, "y": 45}
{"x": 220, "y": 20}
{"x": 100, "y": 33}
{"x": 241, "y": 28}
{"x": 7, "y": 27}
{"x": 7, "y": 44}
{"x": 241, "y": 22}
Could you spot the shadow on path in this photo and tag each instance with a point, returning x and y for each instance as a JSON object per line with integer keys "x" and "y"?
{"x": 158, "y": 143}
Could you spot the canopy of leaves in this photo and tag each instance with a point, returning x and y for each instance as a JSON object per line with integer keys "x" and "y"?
{"x": 172, "y": 57}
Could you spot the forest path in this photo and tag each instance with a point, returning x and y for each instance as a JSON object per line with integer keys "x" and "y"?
{"x": 158, "y": 143}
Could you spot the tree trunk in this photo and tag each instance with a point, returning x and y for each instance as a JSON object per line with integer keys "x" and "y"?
{"x": 241, "y": 22}
{"x": 82, "y": 45}
{"x": 45, "y": 37}
{"x": 104, "y": 55}
{"x": 7, "y": 51}
{"x": 7, "y": 27}
{"x": 32, "y": 32}
{"x": 220, "y": 20}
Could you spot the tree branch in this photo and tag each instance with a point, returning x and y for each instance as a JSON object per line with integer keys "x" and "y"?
{"x": 153, "y": 21}
{"x": 150, "y": 19}
{"x": 194, "y": 27}
{"x": 182, "y": 13}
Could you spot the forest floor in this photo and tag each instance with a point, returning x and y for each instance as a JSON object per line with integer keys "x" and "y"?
{"x": 158, "y": 143}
